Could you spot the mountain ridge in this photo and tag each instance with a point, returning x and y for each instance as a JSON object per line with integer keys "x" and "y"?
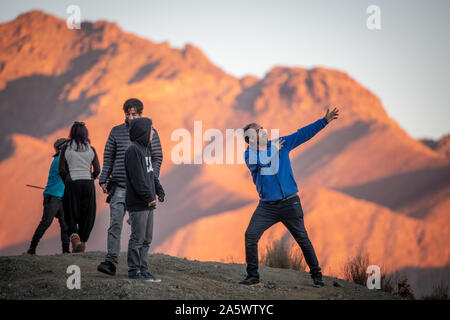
{"x": 87, "y": 74}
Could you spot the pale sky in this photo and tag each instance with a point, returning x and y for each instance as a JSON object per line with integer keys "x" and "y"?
{"x": 406, "y": 63}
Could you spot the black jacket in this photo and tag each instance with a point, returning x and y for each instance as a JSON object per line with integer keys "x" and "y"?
{"x": 142, "y": 185}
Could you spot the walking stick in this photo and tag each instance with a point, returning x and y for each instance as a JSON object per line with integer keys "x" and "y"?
{"x": 37, "y": 187}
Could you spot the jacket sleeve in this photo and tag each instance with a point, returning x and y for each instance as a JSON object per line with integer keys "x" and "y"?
{"x": 63, "y": 167}
{"x": 108, "y": 158}
{"x": 136, "y": 175}
{"x": 254, "y": 162}
{"x": 156, "y": 153}
{"x": 159, "y": 189}
{"x": 304, "y": 134}
{"x": 95, "y": 164}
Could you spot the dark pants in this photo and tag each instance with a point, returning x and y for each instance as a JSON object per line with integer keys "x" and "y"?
{"x": 290, "y": 213}
{"x": 53, "y": 208}
{"x": 81, "y": 207}
{"x": 140, "y": 239}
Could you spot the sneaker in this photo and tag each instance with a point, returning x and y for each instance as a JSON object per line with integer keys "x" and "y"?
{"x": 318, "y": 282}
{"x": 75, "y": 240}
{"x": 148, "y": 277}
{"x": 136, "y": 276}
{"x": 107, "y": 267}
{"x": 248, "y": 281}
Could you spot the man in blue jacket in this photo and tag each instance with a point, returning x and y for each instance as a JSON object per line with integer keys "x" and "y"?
{"x": 271, "y": 171}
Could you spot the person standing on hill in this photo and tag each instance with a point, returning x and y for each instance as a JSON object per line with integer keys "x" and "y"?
{"x": 270, "y": 167}
{"x": 53, "y": 204}
{"x": 142, "y": 188}
{"x": 78, "y": 158}
{"x": 113, "y": 178}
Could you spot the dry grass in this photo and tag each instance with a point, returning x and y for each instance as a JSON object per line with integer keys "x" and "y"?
{"x": 355, "y": 269}
{"x": 440, "y": 292}
{"x": 397, "y": 284}
{"x": 394, "y": 283}
{"x": 281, "y": 255}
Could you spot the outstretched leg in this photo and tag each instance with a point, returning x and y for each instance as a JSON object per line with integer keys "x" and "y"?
{"x": 292, "y": 217}
{"x": 263, "y": 218}
{"x": 50, "y": 211}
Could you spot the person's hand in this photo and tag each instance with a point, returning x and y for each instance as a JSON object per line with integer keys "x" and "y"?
{"x": 279, "y": 143}
{"x": 152, "y": 203}
{"x": 332, "y": 115}
{"x": 103, "y": 186}
{"x": 161, "y": 199}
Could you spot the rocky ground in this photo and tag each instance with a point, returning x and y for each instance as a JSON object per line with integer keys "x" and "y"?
{"x": 45, "y": 277}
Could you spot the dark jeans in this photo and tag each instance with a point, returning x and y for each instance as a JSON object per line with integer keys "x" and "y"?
{"x": 290, "y": 213}
{"x": 53, "y": 208}
{"x": 81, "y": 207}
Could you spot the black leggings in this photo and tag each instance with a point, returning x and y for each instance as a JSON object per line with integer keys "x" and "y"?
{"x": 80, "y": 207}
{"x": 53, "y": 208}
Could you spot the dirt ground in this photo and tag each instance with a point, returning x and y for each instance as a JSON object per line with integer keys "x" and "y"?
{"x": 45, "y": 277}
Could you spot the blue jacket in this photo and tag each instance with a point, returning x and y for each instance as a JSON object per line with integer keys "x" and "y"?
{"x": 55, "y": 185}
{"x": 273, "y": 176}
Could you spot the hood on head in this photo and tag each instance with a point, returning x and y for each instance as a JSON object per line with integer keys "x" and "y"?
{"x": 140, "y": 130}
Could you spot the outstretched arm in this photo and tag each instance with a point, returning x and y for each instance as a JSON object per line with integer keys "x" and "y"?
{"x": 304, "y": 134}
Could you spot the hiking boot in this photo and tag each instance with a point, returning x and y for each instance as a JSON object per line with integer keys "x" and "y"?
{"x": 136, "y": 276}
{"x": 318, "y": 282}
{"x": 75, "y": 240}
{"x": 107, "y": 267}
{"x": 248, "y": 281}
{"x": 31, "y": 251}
{"x": 148, "y": 277}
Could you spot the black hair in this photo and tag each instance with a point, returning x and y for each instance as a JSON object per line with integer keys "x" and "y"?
{"x": 79, "y": 133}
{"x": 133, "y": 103}
{"x": 249, "y": 126}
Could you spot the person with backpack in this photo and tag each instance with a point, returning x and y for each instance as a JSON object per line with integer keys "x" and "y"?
{"x": 53, "y": 203}
{"x": 79, "y": 167}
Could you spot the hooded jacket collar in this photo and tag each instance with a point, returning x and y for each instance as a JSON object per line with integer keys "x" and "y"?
{"x": 140, "y": 131}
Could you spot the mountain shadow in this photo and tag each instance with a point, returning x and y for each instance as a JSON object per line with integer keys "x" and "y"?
{"x": 33, "y": 105}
